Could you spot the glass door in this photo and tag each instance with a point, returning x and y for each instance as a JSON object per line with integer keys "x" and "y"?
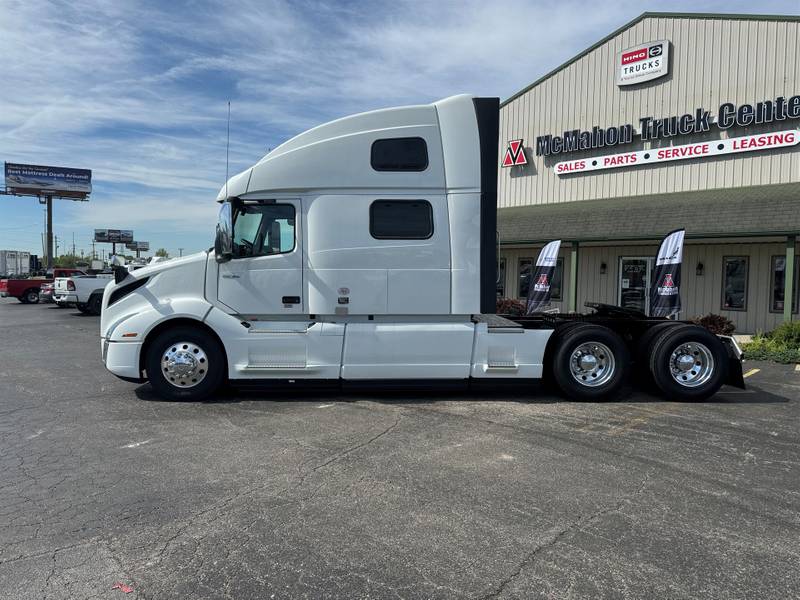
{"x": 634, "y": 282}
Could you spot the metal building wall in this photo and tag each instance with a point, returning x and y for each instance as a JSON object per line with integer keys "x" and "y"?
{"x": 700, "y": 294}
{"x": 712, "y": 61}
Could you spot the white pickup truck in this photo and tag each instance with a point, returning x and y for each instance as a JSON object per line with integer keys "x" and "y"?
{"x": 85, "y": 292}
{"x": 364, "y": 251}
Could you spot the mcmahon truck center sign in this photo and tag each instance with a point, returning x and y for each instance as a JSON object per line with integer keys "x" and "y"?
{"x": 651, "y": 128}
{"x": 748, "y": 143}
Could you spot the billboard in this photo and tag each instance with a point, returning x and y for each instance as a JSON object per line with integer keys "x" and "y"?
{"x": 37, "y": 180}
{"x": 144, "y": 246}
{"x": 115, "y": 236}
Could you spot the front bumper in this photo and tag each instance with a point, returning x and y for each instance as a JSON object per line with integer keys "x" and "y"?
{"x": 122, "y": 358}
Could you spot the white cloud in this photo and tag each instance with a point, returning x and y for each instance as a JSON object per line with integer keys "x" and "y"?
{"x": 137, "y": 91}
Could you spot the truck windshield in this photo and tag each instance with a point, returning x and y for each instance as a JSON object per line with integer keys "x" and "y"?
{"x": 263, "y": 229}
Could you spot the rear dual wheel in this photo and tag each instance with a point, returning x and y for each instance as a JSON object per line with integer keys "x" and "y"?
{"x": 688, "y": 362}
{"x": 589, "y": 362}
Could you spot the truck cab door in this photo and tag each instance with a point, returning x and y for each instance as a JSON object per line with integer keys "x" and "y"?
{"x": 265, "y": 275}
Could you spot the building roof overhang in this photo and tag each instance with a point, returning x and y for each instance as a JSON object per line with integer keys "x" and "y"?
{"x": 763, "y": 211}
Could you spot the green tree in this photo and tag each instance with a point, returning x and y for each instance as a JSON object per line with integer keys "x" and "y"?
{"x": 162, "y": 252}
{"x": 66, "y": 261}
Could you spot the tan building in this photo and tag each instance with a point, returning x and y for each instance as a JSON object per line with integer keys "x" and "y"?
{"x": 674, "y": 120}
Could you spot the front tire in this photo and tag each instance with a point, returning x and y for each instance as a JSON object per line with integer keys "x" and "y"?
{"x": 82, "y": 307}
{"x": 688, "y": 363}
{"x": 590, "y": 363}
{"x": 185, "y": 363}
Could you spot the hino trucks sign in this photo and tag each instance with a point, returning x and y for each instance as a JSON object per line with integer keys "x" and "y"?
{"x": 642, "y": 63}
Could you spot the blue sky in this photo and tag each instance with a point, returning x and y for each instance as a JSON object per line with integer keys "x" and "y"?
{"x": 138, "y": 91}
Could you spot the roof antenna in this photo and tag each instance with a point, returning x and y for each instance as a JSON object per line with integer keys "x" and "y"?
{"x": 227, "y": 149}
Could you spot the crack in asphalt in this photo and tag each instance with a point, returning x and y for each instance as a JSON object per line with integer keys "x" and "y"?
{"x": 577, "y": 524}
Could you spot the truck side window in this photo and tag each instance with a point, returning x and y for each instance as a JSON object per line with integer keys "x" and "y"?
{"x": 401, "y": 219}
{"x": 263, "y": 229}
{"x": 399, "y": 154}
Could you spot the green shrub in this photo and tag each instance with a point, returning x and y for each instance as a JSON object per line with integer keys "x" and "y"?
{"x": 787, "y": 334}
{"x": 716, "y": 324}
{"x": 781, "y": 345}
{"x": 510, "y": 306}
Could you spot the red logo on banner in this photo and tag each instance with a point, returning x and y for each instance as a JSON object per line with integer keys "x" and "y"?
{"x": 515, "y": 154}
{"x": 542, "y": 279}
{"x": 668, "y": 283}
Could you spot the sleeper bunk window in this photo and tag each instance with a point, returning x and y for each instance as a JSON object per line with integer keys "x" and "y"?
{"x": 401, "y": 219}
{"x": 734, "y": 283}
{"x": 399, "y": 154}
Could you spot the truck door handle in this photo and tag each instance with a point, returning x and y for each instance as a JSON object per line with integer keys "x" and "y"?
{"x": 291, "y": 299}
{"x": 230, "y": 276}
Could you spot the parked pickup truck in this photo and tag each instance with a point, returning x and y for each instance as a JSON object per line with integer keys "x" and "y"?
{"x": 84, "y": 292}
{"x": 27, "y": 290}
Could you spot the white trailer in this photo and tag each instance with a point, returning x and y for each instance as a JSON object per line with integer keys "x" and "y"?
{"x": 14, "y": 262}
{"x": 364, "y": 250}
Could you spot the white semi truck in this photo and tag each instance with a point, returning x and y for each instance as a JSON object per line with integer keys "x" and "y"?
{"x": 365, "y": 251}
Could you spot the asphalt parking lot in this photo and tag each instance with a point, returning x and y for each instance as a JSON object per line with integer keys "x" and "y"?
{"x": 417, "y": 495}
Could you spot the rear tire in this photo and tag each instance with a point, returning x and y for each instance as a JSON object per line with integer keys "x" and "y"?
{"x": 688, "y": 363}
{"x": 590, "y": 363}
{"x": 31, "y": 296}
{"x": 644, "y": 350}
{"x": 185, "y": 363}
{"x": 95, "y": 305}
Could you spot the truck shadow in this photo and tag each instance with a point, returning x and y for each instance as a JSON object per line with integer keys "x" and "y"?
{"x": 530, "y": 394}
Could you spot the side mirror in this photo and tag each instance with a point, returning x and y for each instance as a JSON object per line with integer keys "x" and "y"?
{"x": 120, "y": 270}
{"x": 223, "y": 242}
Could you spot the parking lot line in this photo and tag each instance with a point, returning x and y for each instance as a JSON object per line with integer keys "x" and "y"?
{"x": 751, "y": 372}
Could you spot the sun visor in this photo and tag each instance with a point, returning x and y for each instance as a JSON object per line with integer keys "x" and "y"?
{"x": 237, "y": 186}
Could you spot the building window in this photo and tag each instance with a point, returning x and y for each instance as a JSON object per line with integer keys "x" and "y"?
{"x": 778, "y": 269}
{"x": 734, "y": 283}
{"x": 399, "y": 154}
{"x": 401, "y": 219}
{"x": 525, "y": 274}
{"x": 501, "y": 278}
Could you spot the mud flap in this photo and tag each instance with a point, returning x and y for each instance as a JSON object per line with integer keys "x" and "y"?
{"x": 735, "y": 357}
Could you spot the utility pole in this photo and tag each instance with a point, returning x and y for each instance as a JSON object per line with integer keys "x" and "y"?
{"x": 49, "y": 234}
{"x": 94, "y": 254}
{"x": 73, "y": 243}
{"x": 180, "y": 251}
{"x": 54, "y": 255}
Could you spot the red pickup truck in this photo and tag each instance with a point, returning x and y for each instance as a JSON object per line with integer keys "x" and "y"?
{"x": 27, "y": 290}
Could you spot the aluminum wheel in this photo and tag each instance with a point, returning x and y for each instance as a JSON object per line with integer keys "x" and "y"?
{"x": 691, "y": 364}
{"x": 184, "y": 364}
{"x": 592, "y": 364}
